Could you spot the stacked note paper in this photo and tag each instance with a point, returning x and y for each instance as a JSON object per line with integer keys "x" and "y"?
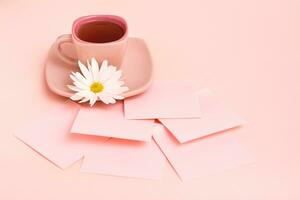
{"x": 173, "y": 120}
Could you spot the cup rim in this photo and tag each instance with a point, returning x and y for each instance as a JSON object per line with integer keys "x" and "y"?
{"x": 90, "y": 18}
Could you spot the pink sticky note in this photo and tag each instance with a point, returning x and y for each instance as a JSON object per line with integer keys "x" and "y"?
{"x": 215, "y": 118}
{"x": 49, "y": 135}
{"x": 109, "y": 121}
{"x": 165, "y": 99}
{"x": 125, "y": 158}
{"x": 198, "y": 158}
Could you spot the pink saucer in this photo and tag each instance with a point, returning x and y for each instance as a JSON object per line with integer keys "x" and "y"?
{"x": 137, "y": 69}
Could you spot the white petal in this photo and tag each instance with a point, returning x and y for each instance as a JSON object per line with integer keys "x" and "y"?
{"x": 89, "y": 66}
{"x": 119, "y": 90}
{"x": 72, "y": 76}
{"x": 124, "y": 88}
{"x": 86, "y": 93}
{"x": 103, "y": 98}
{"x": 94, "y": 63}
{"x": 103, "y": 67}
{"x": 93, "y": 100}
{"x": 76, "y": 97}
{"x": 113, "y": 85}
{"x": 84, "y": 71}
{"x": 81, "y": 86}
{"x": 112, "y": 68}
{"x": 115, "y": 77}
{"x": 85, "y": 99}
{"x": 118, "y": 97}
{"x": 110, "y": 99}
{"x": 95, "y": 69}
{"x": 107, "y": 74}
{"x": 82, "y": 79}
{"x": 120, "y": 83}
{"x": 108, "y": 87}
{"x": 74, "y": 88}
{"x": 78, "y": 82}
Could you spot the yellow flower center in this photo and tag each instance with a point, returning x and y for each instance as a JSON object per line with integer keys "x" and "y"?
{"x": 96, "y": 87}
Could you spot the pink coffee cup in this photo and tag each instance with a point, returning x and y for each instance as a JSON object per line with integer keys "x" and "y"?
{"x": 103, "y": 37}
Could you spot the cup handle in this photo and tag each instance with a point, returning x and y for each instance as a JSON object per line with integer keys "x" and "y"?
{"x": 67, "y": 38}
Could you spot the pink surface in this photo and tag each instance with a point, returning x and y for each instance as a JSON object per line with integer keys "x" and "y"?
{"x": 202, "y": 157}
{"x": 246, "y": 51}
{"x": 126, "y": 158}
{"x": 215, "y": 117}
{"x": 109, "y": 121}
{"x": 164, "y": 99}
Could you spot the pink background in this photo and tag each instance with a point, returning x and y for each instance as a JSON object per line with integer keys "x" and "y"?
{"x": 248, "y": 52}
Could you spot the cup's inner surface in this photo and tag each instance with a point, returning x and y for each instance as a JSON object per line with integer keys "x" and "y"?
{"x": 100, "y": 30}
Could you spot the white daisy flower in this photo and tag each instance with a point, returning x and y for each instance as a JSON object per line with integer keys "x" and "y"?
{"x": 94, "y": 84}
